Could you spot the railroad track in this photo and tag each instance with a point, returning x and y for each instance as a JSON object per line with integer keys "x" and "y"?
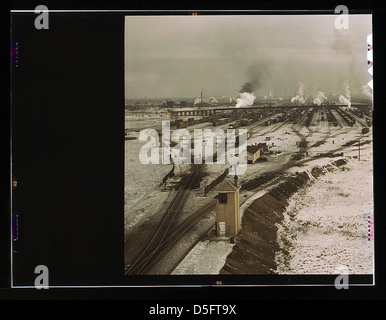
{"x": 301, "y": 136}
{"x": 164, "y": 238}
{"x": 141, "y": 262}
{"x": 255, "y": 183}
{"x": 177, "y": 234}
{"x": 346, "y": 129}
{"x": 269, "y": 127}
{"x": 272, "y": 127}
{"x": 358, "y": 119}
{"x": 328, "y": 133}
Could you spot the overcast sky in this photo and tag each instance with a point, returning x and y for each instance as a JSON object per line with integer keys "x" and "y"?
{"x": 178, "y": 56}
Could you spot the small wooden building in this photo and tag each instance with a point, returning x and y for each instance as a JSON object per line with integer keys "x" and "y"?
{"x": 253, "y": 153}
{"x": 228, "y": 208}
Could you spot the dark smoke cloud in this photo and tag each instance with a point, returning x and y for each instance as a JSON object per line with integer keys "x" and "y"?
{"x": 247, "y": 87}
{"x": 257, "y": 74}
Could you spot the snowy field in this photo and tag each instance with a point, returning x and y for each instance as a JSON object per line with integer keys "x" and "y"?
{"x": 326, "y": 224}
{"x": 140, "y": 179}
{"x": 207, "y": 257}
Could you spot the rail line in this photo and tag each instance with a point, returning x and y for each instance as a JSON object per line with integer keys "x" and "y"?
{"x": 191, "y": 221}
{"x": 173, "y": 208}
{"x": 177, "y": 234}
{"x": 255, "y": 183}
{"x": 164, "y": 238}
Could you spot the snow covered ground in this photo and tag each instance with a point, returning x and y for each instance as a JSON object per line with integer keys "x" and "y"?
{"x": 326, "y": 224}
{"x": 140, "y": 179}
{"x": 282, "y": 143}
{"x": 144, "y": 120}
{"x": 207, "y": 257}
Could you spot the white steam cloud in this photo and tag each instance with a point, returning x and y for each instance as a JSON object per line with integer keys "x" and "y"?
{"x": 347, "y": 91}
{"x": 319, "y": 98}
{"x": 366, "y": 90}
{"x": 345, "y": 101}
{"x": 300, "y": 96}
{"x": 346, "y": 98}
{"x": 246, "y": 99}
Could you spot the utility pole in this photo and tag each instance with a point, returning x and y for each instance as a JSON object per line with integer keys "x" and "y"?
{"x": 359, "y": 149}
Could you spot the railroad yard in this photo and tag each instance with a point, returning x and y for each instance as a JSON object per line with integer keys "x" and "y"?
{"x": 170, "y": 214}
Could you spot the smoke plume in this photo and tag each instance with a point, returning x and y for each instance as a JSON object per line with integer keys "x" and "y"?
{"x": 256, "y": 74}
{"x": 347, "y": 91}
{"x": 300, "y": 96}
{"x": 345, "y": 99}
{"x": 366, "y": 90}
{"x": 246, "y": 99}
{"x": 197, "y": 100}
{"x": 319, "y": 98}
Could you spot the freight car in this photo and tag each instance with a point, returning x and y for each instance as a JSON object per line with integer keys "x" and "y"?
{"x": 176, "y": 122}
{"x": 331, "y": 117}
{"x": 310, "y": 115}
{"x": 282, "y": 118}
{"x": 237, "y": 138}
{"x": 359, "y": 113}
{"x": 346, "y": 117}
{"x": 246, "y": 122}
{"x": 182, "y": 125}
{"x": 237, "y": 124}
{"x": 219, "y": 122}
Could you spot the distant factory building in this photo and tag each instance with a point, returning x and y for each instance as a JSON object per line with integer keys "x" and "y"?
{"x": 203, "y": 104}
{"x": 170, "y": 103}
{"x": 184, "y": 103}
{"x": 228, "y": 222}
{"x": 254, "y": 152}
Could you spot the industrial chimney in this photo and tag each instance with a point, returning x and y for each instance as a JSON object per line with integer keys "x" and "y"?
{"x": 201, "y": 96}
